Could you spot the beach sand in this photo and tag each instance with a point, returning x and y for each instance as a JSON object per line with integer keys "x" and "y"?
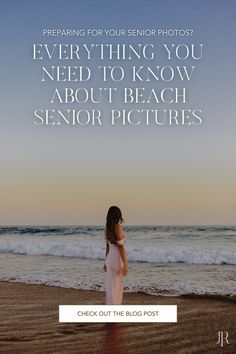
{"x": 29, "y": 324}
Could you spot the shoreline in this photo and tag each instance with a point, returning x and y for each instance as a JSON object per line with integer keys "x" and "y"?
{"x": 29, "y": 322}
{"x": 220, "y": 297}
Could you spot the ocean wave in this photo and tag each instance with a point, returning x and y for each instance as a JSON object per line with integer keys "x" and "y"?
{"x": 90, "y": 248}
{"x": 151, "y": 290}
{"x": 50, "y": 230}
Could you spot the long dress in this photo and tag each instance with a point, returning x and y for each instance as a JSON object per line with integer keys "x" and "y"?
{"x": 114, "y": 264}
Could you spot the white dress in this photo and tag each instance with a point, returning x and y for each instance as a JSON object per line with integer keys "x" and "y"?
{"x": 114, "y": 264}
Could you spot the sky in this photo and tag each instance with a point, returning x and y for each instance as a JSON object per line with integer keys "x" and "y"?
{"x": 70, "y": 175}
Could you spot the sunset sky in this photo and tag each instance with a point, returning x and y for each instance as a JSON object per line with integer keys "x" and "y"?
{"x": 156, "y": 174}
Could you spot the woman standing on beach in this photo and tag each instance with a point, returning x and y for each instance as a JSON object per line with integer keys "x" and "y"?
{"x": 116, "y": 264}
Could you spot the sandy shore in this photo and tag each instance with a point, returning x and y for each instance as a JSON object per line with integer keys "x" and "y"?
{"x": 29, "y": 324}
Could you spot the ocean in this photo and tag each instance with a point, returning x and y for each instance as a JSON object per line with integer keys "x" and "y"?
{"x": 163, "y": 260}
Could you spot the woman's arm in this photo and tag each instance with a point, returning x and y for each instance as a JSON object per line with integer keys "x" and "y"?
{"x": 120, "y": 236}
{"x": 124, "y": 259}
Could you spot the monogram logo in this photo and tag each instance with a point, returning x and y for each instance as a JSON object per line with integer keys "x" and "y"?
{"x": 223, "y": 338}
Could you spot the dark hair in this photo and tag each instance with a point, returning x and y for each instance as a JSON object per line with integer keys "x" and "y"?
{"x": 114, "y": 216}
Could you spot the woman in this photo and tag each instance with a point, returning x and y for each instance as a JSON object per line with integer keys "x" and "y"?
{"x": 116, "y": 264}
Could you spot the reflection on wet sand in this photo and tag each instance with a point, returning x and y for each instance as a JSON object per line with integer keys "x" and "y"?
{"x": 114, "y": 338}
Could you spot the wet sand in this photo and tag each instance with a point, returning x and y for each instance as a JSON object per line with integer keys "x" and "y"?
{"x": 29, "y": 324}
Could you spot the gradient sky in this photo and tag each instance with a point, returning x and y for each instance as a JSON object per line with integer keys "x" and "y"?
{"x": 157, "y": 175}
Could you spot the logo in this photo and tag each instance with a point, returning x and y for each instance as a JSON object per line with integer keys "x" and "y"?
{"x": 223, "y": 338}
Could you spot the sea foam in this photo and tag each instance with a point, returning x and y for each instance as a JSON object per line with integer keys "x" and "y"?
{"x": 138, "y": 251}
